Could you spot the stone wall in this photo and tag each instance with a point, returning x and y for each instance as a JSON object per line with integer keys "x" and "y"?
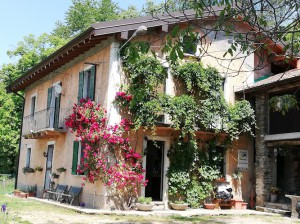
{"x": 264, "y": 159}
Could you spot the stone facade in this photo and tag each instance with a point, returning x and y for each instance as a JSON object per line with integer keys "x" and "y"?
{"x": 264, "y": 158}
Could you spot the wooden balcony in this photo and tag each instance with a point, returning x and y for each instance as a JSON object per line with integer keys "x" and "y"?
{"x": 46, "y": 123}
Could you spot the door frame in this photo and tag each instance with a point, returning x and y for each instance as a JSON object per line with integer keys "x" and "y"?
{"x": 166, "y": 161}
{"x": 48, "y": 144}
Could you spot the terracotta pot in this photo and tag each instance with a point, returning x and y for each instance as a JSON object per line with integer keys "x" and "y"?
{"x": 144, "y": 207}
{"x": 244, "y": 205}
{"x": 238, "y": 204}
{"x": 209, "y": 206}
{"x": 23, "y": 195}
{"x": 180, "y": 207}
{"x": 31, "y": 194}
{"x": 17, "y": 193}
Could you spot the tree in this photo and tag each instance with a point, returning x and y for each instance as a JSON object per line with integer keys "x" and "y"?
{"x": 10, "y": 110}
{"x": 83, "y": 13}
{"x": 269, "y": 22}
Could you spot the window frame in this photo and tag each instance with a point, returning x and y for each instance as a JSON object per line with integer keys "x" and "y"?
{"x": 33, "y": 107}
{"x": 86, "y": 89}
{"x": 28, "y": 155}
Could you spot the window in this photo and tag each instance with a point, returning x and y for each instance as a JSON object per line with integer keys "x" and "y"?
{"x": 78, "y": 152}
{"x": 53, "y": 106}
{"x": 28, "y": 157}
{"x": 161, "y": 90}
{"x": 86, "y": 87}
{"x": 32, "y": 105}
{"x": 218, "y": 152}
{"x": 190, "y": 44}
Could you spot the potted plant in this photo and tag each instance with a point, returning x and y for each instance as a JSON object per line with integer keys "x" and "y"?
{"x": 38, "y": 168}
{"x": 238, "y": 201}
{"x": 31, "y": 191}
{"x": 17, "y": 192}
{"x": 54, "y": 175}
{"x": 61, "y": 170}
{"x": 179, "y": 205}
{"x": 28, "y": 170}
{"x": 144, "y": 204}
{"x": 274, "y": 191}
{"x": 209, "y": 205}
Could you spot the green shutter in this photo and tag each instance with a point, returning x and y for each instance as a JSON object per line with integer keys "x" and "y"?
{"x": 57, "y": 110}
{"x": 75, "y": 157}
{"x": 92, "y": 83}
{"x": 80, "y": 85}
{"x": 49, "y": 97}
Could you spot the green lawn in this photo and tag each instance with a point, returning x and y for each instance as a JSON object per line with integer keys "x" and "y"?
{"x": 6, "y": 185}
{"x": 29, "y": 211}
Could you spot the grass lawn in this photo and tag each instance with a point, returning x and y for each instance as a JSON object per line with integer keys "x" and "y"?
{"x": 6, "y": 185}
{"x": 29, "y": 211}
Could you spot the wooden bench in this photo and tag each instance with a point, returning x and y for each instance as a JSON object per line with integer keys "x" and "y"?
{"x": 71, "y": 195}
{"x": 56, "y": 193}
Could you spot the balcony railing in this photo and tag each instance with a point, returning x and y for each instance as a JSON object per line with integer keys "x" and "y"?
{"x": 48, "y": 119}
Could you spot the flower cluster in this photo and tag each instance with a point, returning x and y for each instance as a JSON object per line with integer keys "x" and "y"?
{"x": 123, "y": 99}
{"x": 108, "y": 155}
{"x": 274, "y": 190}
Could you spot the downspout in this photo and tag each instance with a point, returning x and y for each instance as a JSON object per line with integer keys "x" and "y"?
{"x": 9, "y": 90}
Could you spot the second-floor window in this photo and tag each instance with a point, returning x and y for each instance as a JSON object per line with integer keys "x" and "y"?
{"x": 33, "y": 105}
{"x": 190, "y": 44}
{"x": 86, "y": 87}
{"x": 28, "y": 157}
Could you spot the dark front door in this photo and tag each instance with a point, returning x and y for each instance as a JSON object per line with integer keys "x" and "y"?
{"x": 48, "y": 167}
{"x": 154, "y": 169}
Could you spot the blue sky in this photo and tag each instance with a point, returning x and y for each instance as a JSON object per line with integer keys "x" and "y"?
{"x": 19, "y": 18}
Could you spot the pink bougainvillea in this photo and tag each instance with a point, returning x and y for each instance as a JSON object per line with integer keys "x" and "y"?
{"x": 108, "y": 155}
{"x": 123, "y": 99}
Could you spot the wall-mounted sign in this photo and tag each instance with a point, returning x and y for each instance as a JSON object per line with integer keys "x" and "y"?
{"x": 242, "y": 160}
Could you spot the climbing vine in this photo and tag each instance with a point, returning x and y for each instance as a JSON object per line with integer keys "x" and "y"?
{"x": 202, "y": 107}
{"x": 192, "y": 170}
{"x": 108, "y": 155}
{"x": 283, "y": 103}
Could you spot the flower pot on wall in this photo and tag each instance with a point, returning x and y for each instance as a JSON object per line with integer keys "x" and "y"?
{"x": 180, "y": 207}
{"x": 244, "y": 205}
{"x": 209, "y": 206}
{"x": 238, "y": 204}
{"x": 144, "y": 207}
{"x": 273, "y": 198}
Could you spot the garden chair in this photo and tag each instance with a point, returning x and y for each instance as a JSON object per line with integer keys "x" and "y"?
{"x": 59, "y": 190}
{"x": 72, "y": 194}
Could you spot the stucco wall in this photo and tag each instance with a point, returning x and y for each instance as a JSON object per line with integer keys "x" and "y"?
{"x": 63, "y": 143}
{"x": 107, "y": 84}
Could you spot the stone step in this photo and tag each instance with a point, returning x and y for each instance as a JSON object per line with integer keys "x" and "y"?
{"x": 158, "y": 205}
{"x": 277, "y": 205}
{"x": 273, "y": 210}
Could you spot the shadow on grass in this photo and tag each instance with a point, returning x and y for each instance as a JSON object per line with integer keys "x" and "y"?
{"x": 197, "y": 219}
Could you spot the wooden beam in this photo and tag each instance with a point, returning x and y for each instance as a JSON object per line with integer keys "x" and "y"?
{"x": 124, "y": 35}
{"x": 165, "y": 28}
{"x": 279, "y": 143}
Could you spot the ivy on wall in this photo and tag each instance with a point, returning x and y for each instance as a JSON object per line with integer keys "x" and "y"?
{"x": 192, "y": 170}
{"x": 201, "y": 107}
{"x": 283, "y": 103}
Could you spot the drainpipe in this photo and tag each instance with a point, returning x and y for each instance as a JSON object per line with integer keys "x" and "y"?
{"x": 9, "y": 90}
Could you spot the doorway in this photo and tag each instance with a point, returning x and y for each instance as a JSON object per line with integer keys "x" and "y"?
{"x": 154, "y": 169}
{"x": 48, "y": 178}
